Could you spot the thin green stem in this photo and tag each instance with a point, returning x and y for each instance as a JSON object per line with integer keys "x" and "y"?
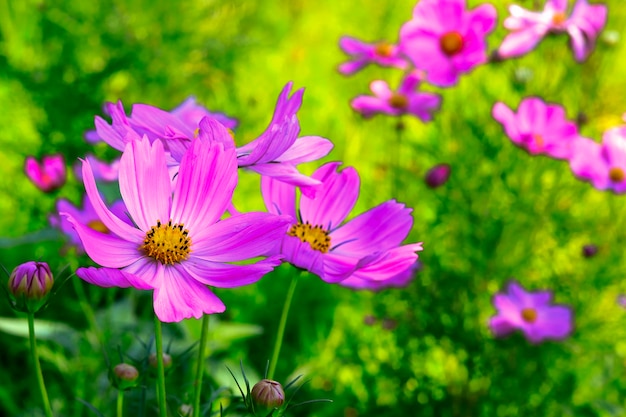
{"x": 204, "y": 336}
{"x": 33, "y": 350}
{"x": 158, "y": 339}
{"x": 281, "y": 326}
{"x": 120, "y": 403}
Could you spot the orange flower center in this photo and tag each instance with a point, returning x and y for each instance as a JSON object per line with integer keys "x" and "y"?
{"x": 383, "y": 49}
{"x": 529, "y": 315}
{"x": 398, "y": 101}
{"x": 451, "y": 43}
{"x": 315, "y": 236}
{"x": 559, "y": 18}
{"x": 167, "y": 243}
{"x": 538, "y": 140}
{"x": 98, "y": 226}
{"x": 617, "y": 174}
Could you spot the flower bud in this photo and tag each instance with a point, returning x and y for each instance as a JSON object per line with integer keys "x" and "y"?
{"x": 437, "y": 175}
{"x": 29, "y": 286}
{"x": 126, "y": 376}
{"x": 268, "y": 394}
{"x": 167, "y": 360}
{"x": 590, "y": 250}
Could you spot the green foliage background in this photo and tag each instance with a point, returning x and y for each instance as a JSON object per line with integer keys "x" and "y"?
{"x": 423, "y": 350}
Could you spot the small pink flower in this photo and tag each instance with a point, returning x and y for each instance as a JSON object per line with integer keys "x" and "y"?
{"x": 604, "y": 165}
{"x": 538, "y": 127}
{"x": 445, "y": 40}
{"x": 406, "y": 100}
{"x": 49, "y": 175}
{"x": 382, "y": 53}
{"x": 529, "y": 28}
{"x": 531, "y": 312}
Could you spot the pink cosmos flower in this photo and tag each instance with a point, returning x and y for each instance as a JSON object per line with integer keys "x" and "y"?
{"x": 399, "y": 281}
{"x": 178, "y": 245}
{"x": 368, "y": 247}
{"x": 529, "y": 28}
{"x": 102, "y": 171}
{"x": 406, "y": 100}
{"x": 382, "y": 53}
{"x": 531, "y": 312}
{"x": 275, "y": 153}
{"x": 49, "y": 175}
{"x": 538, "y": 127}
{"x": 86, "y": 215}
{"x": 604, "y": 165}
{"x": 445, "y": 40}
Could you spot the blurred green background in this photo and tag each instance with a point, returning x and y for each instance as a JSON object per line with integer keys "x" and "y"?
{"x": 422, "y": 350}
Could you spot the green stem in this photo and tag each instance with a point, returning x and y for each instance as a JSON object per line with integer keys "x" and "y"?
{"x": 158, "y": 336}
{"x": 281, "y": 326}
{"x": 33, "y": 350}
{"x": 120, "y": 403}
{"x": 200, "y": 365}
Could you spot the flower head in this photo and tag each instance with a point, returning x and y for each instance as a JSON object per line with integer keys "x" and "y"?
{"x": 382, "y": 53}
{"x": 49, "y": 175}
{"x": 529, "y": 28}
{"x": 368, "y": 247}
{"x": 178, "y": 244}
{"x": 531, "y": 312}
{"x": 29, "y": 286}
{"x": 86, "y": 215}
{"x": 268, "y": 394}
{"x": 406, "y": 100}
{"x": 604, "y": 165}
{"x": 538, "y": 127}
{"x": 445, "y": 40}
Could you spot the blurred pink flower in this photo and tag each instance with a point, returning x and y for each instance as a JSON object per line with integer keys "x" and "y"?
{"x": 604, "y": 165}
{"x": 406, "y": 100}
{"x": 531, "y": 312}
{"x": 529, "y": 28}
{"x": 102, "y": 171}
{"x": 49, "y": 175}
{"x": 367, "y": 247}
{"x": 177, "y": 245}
{"x": 86, "y": 215}
{"x": 382, "y": 53}
{"x": 538, "y": 127}
{"x": 445, "y": 40}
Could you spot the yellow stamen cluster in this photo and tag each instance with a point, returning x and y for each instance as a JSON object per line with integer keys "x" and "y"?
{"x": 529, "y": 315}
{"x": 617, "y": 174}
{"x": 398, "y": 101}
{"x": 383, "y": 49}
{"x": 559, "y": 18}
{"x": 315, "y": 236}
{"x": 451, "y": 43}
{"x": 167, "y": 243}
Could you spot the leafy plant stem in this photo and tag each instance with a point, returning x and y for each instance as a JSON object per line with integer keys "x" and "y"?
{"x": 35, "y": 355}
{"x": 120, "y": 403}
{"x": 200, "y": 365}
{"x": 158, "y": 338}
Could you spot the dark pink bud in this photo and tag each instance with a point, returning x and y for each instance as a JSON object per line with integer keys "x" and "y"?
{"x": 47, "y": 175}
{"x": 437, "y": 175}
{"x": 29, "y": 285}
{"x": 590, "y": 250}
{"x": 268, "y": 394}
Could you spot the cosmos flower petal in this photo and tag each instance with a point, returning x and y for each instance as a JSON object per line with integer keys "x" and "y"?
{"x": 206, "y": 180}
{"x": 145, "y": 183}
{"x": 390, "y": 263}
{"x": 110, "y": 220}
{"x": 284, "y": 172}
{"x": 521, "y": 42}
{"x": 380, "y": 228}
{"x": 105, "y": 249}
{"x": 223, "y": 275}
{"x": 350, "y": 67}
{"x": 279, "y": 197}
{"x": 306, "y": 149}
{"x": 181, "y": 297}
{"x": 156, "y": 121}
{"x": 555, "y": 322}
{"x": 352, "y": 45}
{"x": 301, "y": 255}
{"x": 334, "y": 199}
{"x": 109, "y": 277}
{"x": 500, "y": 326}
{"x": 240, "y": 237}
{"x": 213, "y": 130}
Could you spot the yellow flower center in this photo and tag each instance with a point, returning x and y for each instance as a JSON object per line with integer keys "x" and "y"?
{"x": 398, "y": 101}
{"x": 617, "y": 174}
{"x": 383, "y": 49}
{"x": 559, "y": 18}
{"x": 451, "y": 43}
{"x": 315, "y": 236}
{"x": 167, "y": 243}
{"x": 529, "y": 315}
{"x": 98, "y": 226}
